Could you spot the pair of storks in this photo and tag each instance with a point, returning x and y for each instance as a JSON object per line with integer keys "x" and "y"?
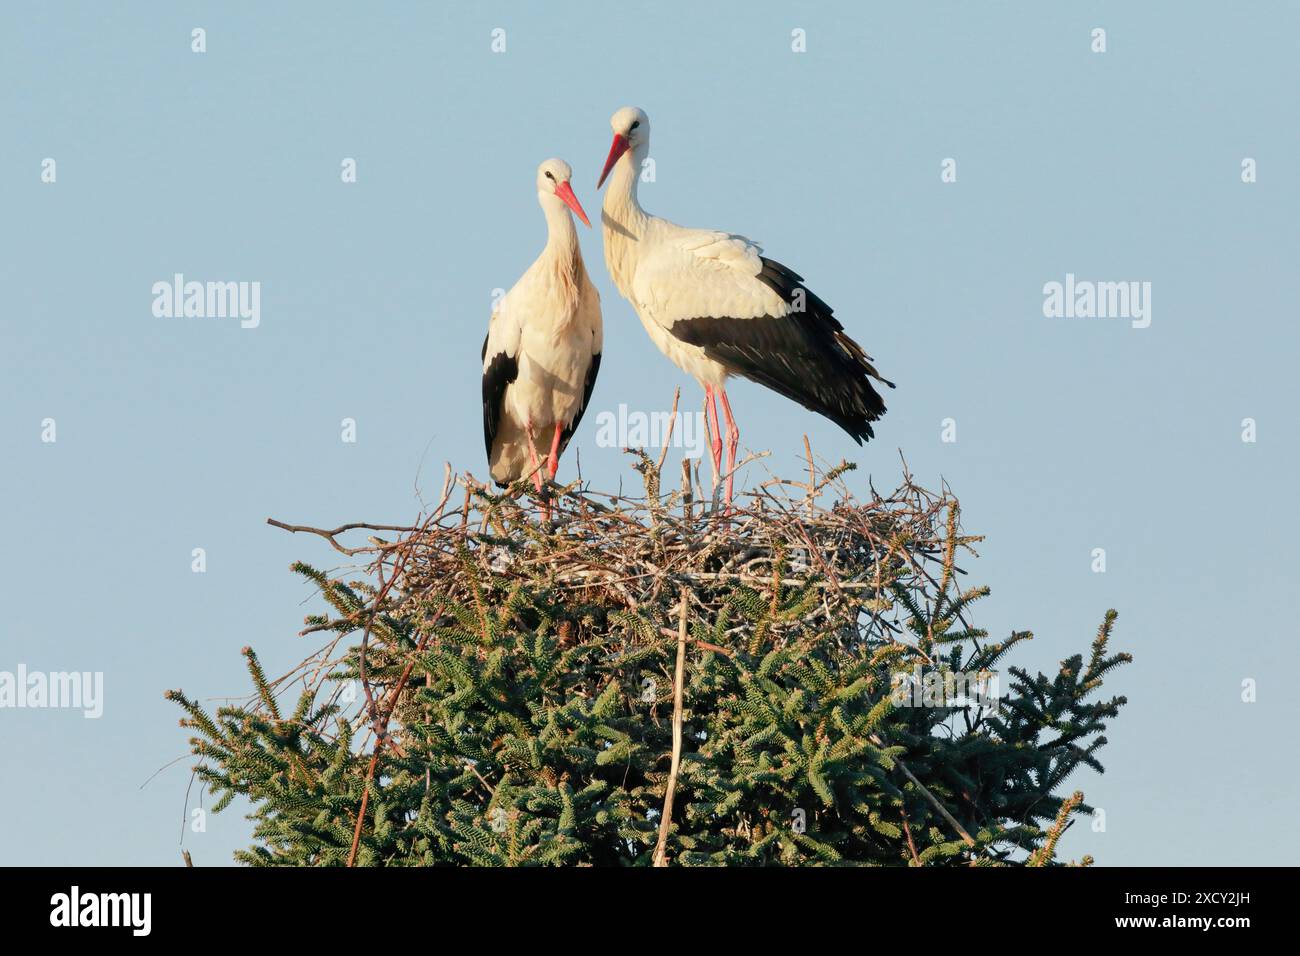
{"x": 709, "y": 300}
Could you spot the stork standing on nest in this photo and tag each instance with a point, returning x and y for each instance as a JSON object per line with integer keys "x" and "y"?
{"x": 542, "y": 350}
{"x": 716, "y": 307}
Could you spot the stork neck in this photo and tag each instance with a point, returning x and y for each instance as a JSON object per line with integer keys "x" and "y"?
{"x": 620, "y": 195}
{"x": 562, "y": 232}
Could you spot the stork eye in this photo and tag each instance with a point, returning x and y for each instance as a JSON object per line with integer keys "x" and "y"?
{"x": 549, "y": 176}
{"x": 634, "y": 126}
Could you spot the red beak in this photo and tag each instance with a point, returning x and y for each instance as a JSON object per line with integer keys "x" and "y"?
{"x": 615, "y": 151}
{"x": 565, "y": 192}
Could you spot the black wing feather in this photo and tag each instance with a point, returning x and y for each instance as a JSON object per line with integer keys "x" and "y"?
{"x": 499, "y": 374}
{"x": 590, "y": 384}
{"x": 804, "y": 355}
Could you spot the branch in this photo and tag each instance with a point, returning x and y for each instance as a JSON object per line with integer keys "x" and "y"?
{"x": 665, "y": 821}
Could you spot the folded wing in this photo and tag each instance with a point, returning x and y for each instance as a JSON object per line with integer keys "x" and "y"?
{"x": 756, "y": 318}
{"x": 500, "y": 369}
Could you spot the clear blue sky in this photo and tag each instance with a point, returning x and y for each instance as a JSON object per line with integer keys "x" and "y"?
{"x": 1072, "y": 434}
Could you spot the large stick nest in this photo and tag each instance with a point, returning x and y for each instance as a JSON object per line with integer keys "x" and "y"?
{"x": 642, "y": 552}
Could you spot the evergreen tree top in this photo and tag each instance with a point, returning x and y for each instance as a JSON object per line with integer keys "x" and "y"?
{"x": 795, "y": 682}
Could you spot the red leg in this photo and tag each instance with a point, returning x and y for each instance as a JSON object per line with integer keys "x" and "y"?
{"x": 711, "y": 422}
{"x": 553, "y": 465}
{"x": 733, "y": 440}
{"x": 532, "y": 457}
{"x": 537, "y": 474}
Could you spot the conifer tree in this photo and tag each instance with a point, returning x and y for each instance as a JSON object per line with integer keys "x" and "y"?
{"x": 529, "y": 693}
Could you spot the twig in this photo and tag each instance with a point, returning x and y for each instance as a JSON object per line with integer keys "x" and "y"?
{"x": 812, "y": 474}
{"x": 934, "y": 801}
{"x": 672, "y": 422}
{"x": 669, "y": 632}
{"x": 665, "y": 822}
{"x": 331, "y": 535}
{"x": 911, "y": 844}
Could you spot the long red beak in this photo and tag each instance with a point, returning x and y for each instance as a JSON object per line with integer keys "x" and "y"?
{"x": 615, "y": 151}
{"x": 565, "y": 192}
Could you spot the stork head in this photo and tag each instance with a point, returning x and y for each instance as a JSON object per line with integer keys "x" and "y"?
{"x": 553, "y": 183}
{"x": 631, "y": 131}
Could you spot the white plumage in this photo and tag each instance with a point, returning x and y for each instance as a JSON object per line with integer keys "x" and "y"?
{"x": 670, "y": 273}
{"x": 717, "y": 307}
{"x": 542, "y": 351}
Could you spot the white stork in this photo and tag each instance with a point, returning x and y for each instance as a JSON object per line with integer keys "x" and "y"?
{"x": 717, "y": 307}
{"x": 542, "y": 350}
